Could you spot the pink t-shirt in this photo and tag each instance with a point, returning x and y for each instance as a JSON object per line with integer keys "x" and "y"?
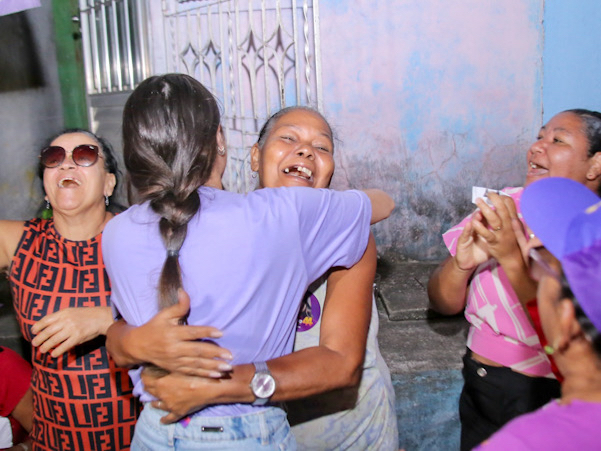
{"x": 499, "y": 327}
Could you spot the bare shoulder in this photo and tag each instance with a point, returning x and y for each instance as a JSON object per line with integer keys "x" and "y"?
{"x": 10, "y": 234}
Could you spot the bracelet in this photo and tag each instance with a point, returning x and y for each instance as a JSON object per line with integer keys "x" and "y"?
{"x": 24, "y": 446}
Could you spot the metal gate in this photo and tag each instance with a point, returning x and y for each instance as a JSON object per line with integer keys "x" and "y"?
{"x": 255, "y": 56}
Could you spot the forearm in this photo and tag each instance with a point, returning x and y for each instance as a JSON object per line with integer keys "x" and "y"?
{"x": 381, "y": 204}
{"x": 121, "y": 344}
{"x": 447, "y": 287}
{"x": 300, "y": 374}
{"x": 335, "y": 363}
{"x": 517, "y": 272}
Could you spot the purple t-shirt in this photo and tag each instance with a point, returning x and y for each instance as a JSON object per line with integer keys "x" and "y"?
{"x": 246, "y": 262}
{"x": 553, "y": 427}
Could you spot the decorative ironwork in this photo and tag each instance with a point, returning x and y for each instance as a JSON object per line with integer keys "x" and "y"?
{"x": 256, "y": 56}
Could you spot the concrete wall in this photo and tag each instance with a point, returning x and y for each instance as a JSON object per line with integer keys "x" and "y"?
{"x": 30, "y": 106}
{"x": 429, "y": 98}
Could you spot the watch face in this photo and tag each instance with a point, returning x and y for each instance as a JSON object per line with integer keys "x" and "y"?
{"x": 263, "y": 385}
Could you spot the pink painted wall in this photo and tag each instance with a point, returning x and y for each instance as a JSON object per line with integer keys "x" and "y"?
{"x": 429, "y": 98}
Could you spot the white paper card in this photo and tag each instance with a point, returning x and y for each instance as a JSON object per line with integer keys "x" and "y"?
{"x": 480, "y": 192}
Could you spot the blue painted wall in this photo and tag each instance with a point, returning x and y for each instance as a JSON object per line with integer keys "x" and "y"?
{"x": 571, "y": 56}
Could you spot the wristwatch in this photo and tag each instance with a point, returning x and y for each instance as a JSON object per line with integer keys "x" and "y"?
{"x": 262, "y": 384}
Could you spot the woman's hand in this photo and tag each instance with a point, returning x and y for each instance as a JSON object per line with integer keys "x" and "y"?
{"x": 498, "y": 228}
{"x": 494, "y": 227}
{"x": 167, "y": 344}
{"x": 178, "y": 394}
{"x": 525, "y": 243}
{"x": 60, "y": 331}
{"x": 471, "y": 249}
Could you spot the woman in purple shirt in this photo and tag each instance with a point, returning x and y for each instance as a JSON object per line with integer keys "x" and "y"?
{"x": 245, "y": 260}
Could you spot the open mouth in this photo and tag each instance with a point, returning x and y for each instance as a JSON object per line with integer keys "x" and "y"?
{"x": 300, "y": 171}
{"x": 68, "y": 182}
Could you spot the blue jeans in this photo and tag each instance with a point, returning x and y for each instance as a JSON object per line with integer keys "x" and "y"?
{"x": 267, "y": 429}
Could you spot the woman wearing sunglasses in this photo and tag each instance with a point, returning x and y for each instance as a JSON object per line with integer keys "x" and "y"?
{"x": 567, "y": 270}
{"x": 61, "y": 294}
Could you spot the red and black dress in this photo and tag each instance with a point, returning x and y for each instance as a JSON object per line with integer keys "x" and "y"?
{"x": 82, "y": 400}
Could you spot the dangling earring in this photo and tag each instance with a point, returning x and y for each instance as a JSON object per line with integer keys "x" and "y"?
{"x": 253, "y": 175}
{"x": 47, "y": 204}
{"x": 106, "y": 200}
{"x": 221, "y": 150}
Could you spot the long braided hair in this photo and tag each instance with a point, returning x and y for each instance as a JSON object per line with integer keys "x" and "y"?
{"x": 170, "y": 125}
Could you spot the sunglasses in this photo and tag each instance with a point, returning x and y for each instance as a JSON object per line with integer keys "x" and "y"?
{"x": 83, "y": 155}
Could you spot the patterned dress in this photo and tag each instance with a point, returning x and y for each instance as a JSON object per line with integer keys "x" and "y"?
{"x": 82, "y": 401}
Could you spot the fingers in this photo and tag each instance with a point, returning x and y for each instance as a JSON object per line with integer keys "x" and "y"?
{"x": 520, "y": 236}
{"x": 158, "y": 404}
{"x": 169, "y": 418}
{"x": 179, "y": 310}
{"x": 64, "y": 347}
{"x": 199, "y": 333}
{"x": 492, "y": 217}
{"x": 48, "y": 321}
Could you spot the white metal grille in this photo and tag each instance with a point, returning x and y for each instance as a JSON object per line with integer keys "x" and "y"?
{"x": 256, "y": 56}
{"x": 114, "y": 44}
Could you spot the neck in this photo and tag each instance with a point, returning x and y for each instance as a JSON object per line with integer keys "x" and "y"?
{"x": 215, "y": 180}
{"x": 81, "y": 227}
{"x": 581, "y": 369}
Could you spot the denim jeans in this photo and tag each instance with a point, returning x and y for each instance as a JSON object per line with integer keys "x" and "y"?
{"x": 267, "y": 429}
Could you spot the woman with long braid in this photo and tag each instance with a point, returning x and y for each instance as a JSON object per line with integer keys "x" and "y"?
{"x": 245, "y": 260}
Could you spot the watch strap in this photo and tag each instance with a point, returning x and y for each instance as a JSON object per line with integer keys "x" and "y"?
{"x": 261, "y": 367}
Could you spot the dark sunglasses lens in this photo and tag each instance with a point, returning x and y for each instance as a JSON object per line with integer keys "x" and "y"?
{"x": 52, "y": 156}
{"x": 85, "y": 155}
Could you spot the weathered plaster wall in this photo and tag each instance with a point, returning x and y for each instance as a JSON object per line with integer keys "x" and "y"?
{"x": 31, "y": 111}
{"x": 430, "y": 98}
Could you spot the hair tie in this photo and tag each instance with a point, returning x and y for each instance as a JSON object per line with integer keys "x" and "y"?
{"x": 172, "y": 253}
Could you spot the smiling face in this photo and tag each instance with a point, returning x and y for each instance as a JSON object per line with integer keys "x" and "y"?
{"x": 298, "y": 151}
{"x": 561, "y": 150}
{"x": 74, "y": 189}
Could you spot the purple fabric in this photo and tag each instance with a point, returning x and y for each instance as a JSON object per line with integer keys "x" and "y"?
{"x": 554, "y": 427}
{"x": 246, "y": 262}
{"x": 14, "y": 6}
{"x": 549, "y": 206}
{"x": 566, "y": 216}
{"x": 583, "y": 271}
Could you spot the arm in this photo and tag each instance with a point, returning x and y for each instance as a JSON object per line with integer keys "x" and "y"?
{"x": 381, "y": 204}
{"x": 169, "y": 345}
{"x": 10, "y": 234}
{"x": 335, "y": 363}
{"x": 23, "y": 411}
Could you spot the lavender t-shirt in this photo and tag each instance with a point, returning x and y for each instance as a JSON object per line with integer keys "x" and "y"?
{"x": 246, "y": 262}
{"x": 555, "y": 426}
